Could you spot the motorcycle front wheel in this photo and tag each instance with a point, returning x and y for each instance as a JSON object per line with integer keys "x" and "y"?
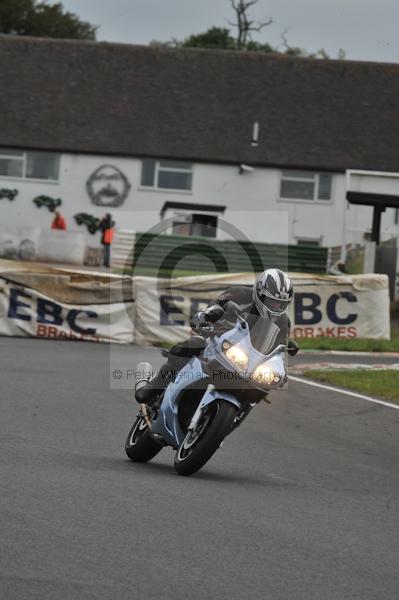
{"x": 200, "y": 444}
{"x": 140, "y": 446}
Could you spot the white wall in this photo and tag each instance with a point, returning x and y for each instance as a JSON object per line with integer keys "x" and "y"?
{"x": 252, "y": 202}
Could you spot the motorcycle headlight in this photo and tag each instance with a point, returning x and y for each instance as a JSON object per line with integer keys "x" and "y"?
{"x": 238, "y": 357}
{"x": 265, "y": 374}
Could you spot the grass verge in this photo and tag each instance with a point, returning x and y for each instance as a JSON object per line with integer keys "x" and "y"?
{"x": 351, "y": 344}
{"x": 382, "y": 383}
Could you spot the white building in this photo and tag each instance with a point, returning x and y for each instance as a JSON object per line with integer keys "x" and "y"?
{"x": 196, "y": 137}
{"x": 208, "y": 193}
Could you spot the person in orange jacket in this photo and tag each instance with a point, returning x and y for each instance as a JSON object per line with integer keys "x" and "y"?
{"x": 58, "y": 221}
{"x": 107, "y": 227}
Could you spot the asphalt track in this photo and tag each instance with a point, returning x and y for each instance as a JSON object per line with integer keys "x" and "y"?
{"x": 301, "y": 503}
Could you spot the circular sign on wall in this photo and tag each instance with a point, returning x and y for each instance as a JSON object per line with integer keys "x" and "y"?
{"x": 108, "y": 186}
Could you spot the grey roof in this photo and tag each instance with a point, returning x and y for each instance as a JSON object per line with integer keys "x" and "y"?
{"x": 198, "y": 104}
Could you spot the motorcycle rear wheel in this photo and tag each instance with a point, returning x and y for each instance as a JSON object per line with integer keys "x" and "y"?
{"x": 200, "y": 445}
{"x": 140, "y": 446}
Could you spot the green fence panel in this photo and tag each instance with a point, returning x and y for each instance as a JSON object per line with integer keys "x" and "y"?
{"x": 169, "y": 252}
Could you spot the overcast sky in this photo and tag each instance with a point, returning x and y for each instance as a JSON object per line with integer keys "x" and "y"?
{"x": 365, "y": 29}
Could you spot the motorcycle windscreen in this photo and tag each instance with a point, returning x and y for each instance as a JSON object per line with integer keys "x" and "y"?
{"x": 264, "y": 333}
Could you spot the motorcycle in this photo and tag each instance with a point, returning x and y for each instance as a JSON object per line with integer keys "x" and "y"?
{"x": 210, "y": 396}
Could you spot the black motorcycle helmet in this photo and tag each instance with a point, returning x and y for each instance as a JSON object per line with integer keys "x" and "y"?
{"x": 272, "y": 293}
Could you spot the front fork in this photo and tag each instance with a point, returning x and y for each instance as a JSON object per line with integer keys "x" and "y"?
{"x": 146, "y": 415}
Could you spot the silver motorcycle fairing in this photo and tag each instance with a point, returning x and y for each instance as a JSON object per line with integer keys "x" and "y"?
{"x": 167, "y": 422}
{"x": 240, "y": 336}
{"x": 211, "y": 395}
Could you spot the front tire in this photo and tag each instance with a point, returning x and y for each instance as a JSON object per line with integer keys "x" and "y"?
{"x": 140, "y": 446}
{"x": 200, "y": 445}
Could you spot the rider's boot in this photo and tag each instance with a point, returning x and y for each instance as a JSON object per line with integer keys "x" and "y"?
{"x": 147, "y": 393}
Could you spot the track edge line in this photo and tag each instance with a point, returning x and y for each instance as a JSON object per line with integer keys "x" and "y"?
{"x": 342, "y": 391}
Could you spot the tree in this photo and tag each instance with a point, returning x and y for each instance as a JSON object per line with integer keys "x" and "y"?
{"x": 13, "y": 15}
{"x": 222, "y": 38}
{"x": 27, "y": 17}
{"x": 216, "y": 37}
{"x": 301, "y": 52}
{"x": 259, "y": 47}
{"x": 244, "y": 24}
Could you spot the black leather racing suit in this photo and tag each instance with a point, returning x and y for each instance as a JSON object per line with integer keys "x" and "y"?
{"x": 182, "y": 352}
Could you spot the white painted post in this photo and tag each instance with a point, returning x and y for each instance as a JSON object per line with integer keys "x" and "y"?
{"x": 369, "y": 257}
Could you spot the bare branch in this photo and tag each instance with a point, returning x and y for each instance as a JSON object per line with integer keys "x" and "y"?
{"x": 241, "y": 5}
{"x": 245, "y": 26}
{"x": 283, "y": 36}
{"x": 261, "y": 24}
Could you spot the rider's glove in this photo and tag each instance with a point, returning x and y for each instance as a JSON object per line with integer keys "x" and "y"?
{"x": 199, "y": 320}
{"x": 213, "y": 313}
{"x": 206, "y": 317}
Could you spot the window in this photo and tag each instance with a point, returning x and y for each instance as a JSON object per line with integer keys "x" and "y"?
{"x": 11, "y": 163}
{"x": 303, "y": 185}
{"x": 198, "y": 225}
{"x": 204, "y": 225}
{"x": 181, "y": 228}
{"x": 167, "y": 175}
{"x": 29, "y": 165}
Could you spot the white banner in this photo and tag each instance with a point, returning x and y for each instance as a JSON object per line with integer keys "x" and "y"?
{"x": 335, "y": 307}
{"x": 80, "y": 307}
{"x": 54, "y": 303}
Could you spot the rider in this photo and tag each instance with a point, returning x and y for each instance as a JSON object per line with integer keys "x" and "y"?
{"x": 269, "y": 298}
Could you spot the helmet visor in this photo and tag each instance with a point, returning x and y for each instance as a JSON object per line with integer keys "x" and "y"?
{"x": 276, "y": 306}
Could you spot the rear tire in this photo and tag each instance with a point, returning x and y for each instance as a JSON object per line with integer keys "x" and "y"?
{"x": 199, "y": 446}
{"x": 140, "y": 446}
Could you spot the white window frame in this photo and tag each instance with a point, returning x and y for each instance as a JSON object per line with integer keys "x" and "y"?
{"x": 315, "y": 179}
{"x": 23, "y": 159}
{"x": 158, "y": 168}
